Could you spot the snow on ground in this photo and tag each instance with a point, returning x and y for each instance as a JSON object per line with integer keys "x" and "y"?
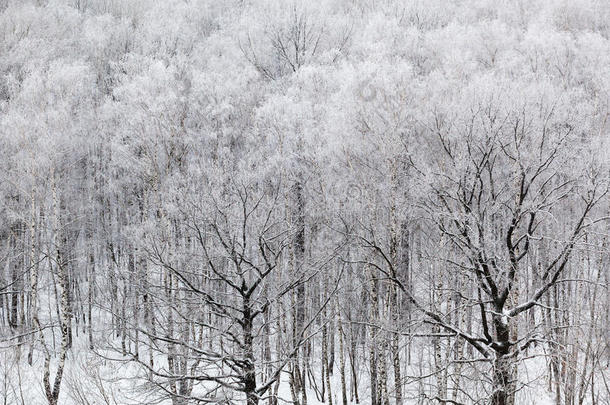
{"x": 94, "y": 380}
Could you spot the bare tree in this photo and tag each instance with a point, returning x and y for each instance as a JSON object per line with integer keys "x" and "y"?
{"x": 291, "y": 44}
{"x": 214, "y": 314}
{"x": 496, "y": 189}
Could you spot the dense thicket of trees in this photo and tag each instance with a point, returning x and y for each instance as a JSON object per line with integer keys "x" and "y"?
{"x": 342, "y": 201}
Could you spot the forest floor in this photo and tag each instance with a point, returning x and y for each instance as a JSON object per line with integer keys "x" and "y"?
{"x": 108, "y": 379}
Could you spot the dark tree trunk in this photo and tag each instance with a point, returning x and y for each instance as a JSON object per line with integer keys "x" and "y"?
{"x": 501, "y": 381}
{"x": 502, "y": 394}
{"x": 249, "y": 376}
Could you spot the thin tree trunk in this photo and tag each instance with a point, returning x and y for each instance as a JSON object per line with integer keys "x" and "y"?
{"x": 325, "y": 360}
{"x": 34, "y": 271}
{"x": 299, "y": 266}
{"x": 341, "y": 356}
{"x": 373, "y": 361}
{"x": 52, "y": 393}
{"x": 90, "y": 291}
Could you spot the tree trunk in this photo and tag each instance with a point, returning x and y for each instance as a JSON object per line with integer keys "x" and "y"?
{"x": 342, "y": 360}
{"x": 502, "y": 371}
{"x": 249, "y": 376}
{"x": 501, "y": 381}
{"x": 373, "y": 317}
{"x": 34, "y": 271}
{"x": 52, "y": 393}
{"x": 298, "y": 269}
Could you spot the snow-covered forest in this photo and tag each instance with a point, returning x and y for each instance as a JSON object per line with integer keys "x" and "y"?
{"x": 384, "y": 202}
